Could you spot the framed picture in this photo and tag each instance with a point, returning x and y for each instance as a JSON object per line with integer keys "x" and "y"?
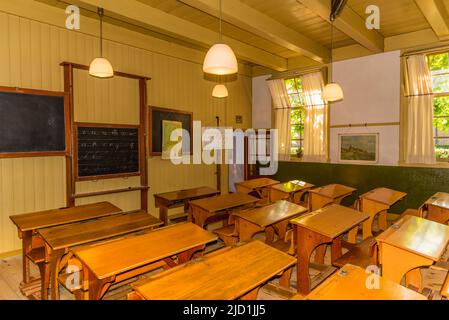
{"x": 360, "y": 148}
{"x": 167, "y": 144}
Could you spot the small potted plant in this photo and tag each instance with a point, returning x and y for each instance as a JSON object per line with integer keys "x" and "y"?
{"x": 299, "y": 153}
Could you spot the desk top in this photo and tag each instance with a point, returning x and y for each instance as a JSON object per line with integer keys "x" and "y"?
{"x": 225, "y": 276}
{"x": 56, "y": 217}
{"x": 439, "y": 199}
{"x": 74, "y": 234}
{"x": 257, "y": 183}
{"x": 272, "y": 214}
{"x": 225, "y": 201}
{"x": 351, "y": 285}
{"x": 292, "y": 186}
{"x": 419, "y": 236}
{"x": 334, "y": 191}
{"x": 331, "y": 221}
{"x": 122, "y": 255}
{"x": 187, "y": 194}
{"x": 384, "y": 196}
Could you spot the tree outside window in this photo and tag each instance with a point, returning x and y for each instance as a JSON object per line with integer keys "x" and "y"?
{"x": 294, "y": 89}
{"x": 439, "y": 68}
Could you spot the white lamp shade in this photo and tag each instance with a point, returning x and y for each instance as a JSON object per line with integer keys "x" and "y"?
{"x": 332, "y": 92}
{"x": 220, "y": 91}
{"x": 220, "y": 60}
{"x": 101, "y": 68}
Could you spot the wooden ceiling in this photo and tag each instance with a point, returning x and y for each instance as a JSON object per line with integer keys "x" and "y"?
{"x": 281, "y": 34}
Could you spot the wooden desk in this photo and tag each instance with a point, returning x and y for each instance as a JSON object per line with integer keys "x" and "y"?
{"x": 28, "y": 223}
{"x": 59, "y": 240}
{"x": 411, "y": 243}
{"x": 349, "y": 283}
{"x": 258, "y": 186}
{"x": 272, "y": 218}
{"x": 326, "y": 225}
{"x": 292, "y": 191}
{"x": 437, "y": 208}
{"x": 234, "y": 274}
{"x": 333, "y": 193}
{"x": 165, "y": 201}
{"x": 115, "y": 261}
{"x": 201, "y": 210}
{"x": 377, "y": 202}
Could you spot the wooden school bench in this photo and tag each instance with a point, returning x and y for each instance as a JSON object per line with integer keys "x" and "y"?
{"x": 291, "y": 191}
{"x": 333, "y": 193}
{"x": 33, "y": 247}
{"x": 59, "y": 241}
{"x": 324, "y": 226}
{"x": 409, "y": 244}
{"x": 378, "y": 202}
{"x": 235, "y": 273}
{"x": 436, "y": 208}
{"x": 218, "y": 207}
{"x": 123, "y": 259}
{"x": 259, "y": 187}
{"x": 168, "y": 200}
{"x": 350, "y": 283}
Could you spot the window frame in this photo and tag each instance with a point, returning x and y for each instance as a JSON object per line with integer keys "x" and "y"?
{"x": 297, "y": 92}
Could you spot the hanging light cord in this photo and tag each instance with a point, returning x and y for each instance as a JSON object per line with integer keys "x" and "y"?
{"x": 101, "y": 13}
{"x": 221, "y": 18}
{"x": 332, "y": 19}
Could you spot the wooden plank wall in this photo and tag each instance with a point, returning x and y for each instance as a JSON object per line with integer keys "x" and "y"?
{"x": 30, "y": 53}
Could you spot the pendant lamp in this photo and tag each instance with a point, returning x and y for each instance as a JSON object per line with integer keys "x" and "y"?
{"x": 101, "y": 67}
{"x": 332, "y": 92}
{"x": 220, "y": 59}
{"x": 220, "y": 91}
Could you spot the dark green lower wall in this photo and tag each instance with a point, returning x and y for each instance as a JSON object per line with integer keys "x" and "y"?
{"x": 418, "y": 183}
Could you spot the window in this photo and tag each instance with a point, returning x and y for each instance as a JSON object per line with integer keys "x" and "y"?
{"x": 294, "y": 89}
{"x": 439, "y": 68}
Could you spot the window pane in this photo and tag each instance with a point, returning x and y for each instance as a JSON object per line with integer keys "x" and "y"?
{"x": 442, "y": 148}
{"x": 295, "y": 100}
{"x": 440, "y": 83}
{"x": 291, "y": 86}
{"x": 296, "y": 116}
{"x": 441, "y": 115}
{"x": 438, "y": 62}
{"x": 297, "y": 131}
{"x": 298, "y": 84}
{"x": 296, "y": 146}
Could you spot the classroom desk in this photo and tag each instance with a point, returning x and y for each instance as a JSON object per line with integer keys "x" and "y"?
{"x": 333, "y": 193}
{"x": 119, "y": 260}
{"x": 272, "y": 218}
{"x": 165, "y": 201}
{"x": 377, "y": 202}
{"x": 59, "y": 240}
{"x": 28, "y": 223}
{"x": 411, "y": 243}
{"x": 326, "y": 225}
{"x": 201, "y": 210}
{"x": 349, "y": 283}
{"x": 258, "y": 186}
{"x": 437, "y": 208}
{"x": 236, "y": 273}
{"x": 292, "y": 191}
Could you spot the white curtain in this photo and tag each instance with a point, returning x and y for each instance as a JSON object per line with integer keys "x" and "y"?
{"x": 315, "y": 124}
{"x": 282, "y": 108}
{"x": 418, "y": 137}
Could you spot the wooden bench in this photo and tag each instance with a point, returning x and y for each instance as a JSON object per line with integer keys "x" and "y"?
{"x": 363, "y": 254}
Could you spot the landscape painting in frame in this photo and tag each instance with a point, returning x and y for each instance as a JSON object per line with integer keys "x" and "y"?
{"x": 167, "y": 128}
{"x": 359, "y": 148}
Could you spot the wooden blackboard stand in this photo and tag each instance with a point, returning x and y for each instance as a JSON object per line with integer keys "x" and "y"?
{"x": 70, "y": 163}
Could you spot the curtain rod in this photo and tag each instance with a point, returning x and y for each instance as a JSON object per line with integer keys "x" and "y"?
{"x": 297, "y": 72}
{"x": 428, "y": 50}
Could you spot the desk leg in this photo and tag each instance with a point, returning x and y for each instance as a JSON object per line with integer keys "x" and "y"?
{"x": 246, "y": 230}
{"x": 281, "y": 228}
{"x": 54, "y": 263}
{"x": 383, "y": 224}
{"x": 199, "y": 216}
{"x": 284, "y": 280}
{"x": 163, "y": 214}
{"x": 26, "y": 247}
{"x": 336, "y": 250}
{"x": 98, "y": 287}
{"x": 187, "y": 255}
{"x": 307, "y": 241}
{"x": 252, "y": 295}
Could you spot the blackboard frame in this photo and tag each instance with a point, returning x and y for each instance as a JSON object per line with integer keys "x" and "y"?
{"x": 108, "y": 176}
{"x": 67, "y": 126}
{"x": 172, "y": 111}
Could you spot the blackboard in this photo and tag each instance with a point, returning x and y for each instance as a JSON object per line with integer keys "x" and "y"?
{"x": 32, "y": 123}
{"x": 157, "y": 115}
{"x": 105, "y": 150}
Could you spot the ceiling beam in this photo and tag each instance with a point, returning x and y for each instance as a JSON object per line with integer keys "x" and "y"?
{"x": 148, "y": 17}
{"x": 433, "y": 11}
{"x": 349, "y": 23}
{"x": 249, "y": 19}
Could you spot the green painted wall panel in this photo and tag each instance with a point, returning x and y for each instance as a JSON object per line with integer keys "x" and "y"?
{"x": 418, "y": 183}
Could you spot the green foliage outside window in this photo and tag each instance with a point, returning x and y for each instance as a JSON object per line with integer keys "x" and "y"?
{"x": 294, "y": 89}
